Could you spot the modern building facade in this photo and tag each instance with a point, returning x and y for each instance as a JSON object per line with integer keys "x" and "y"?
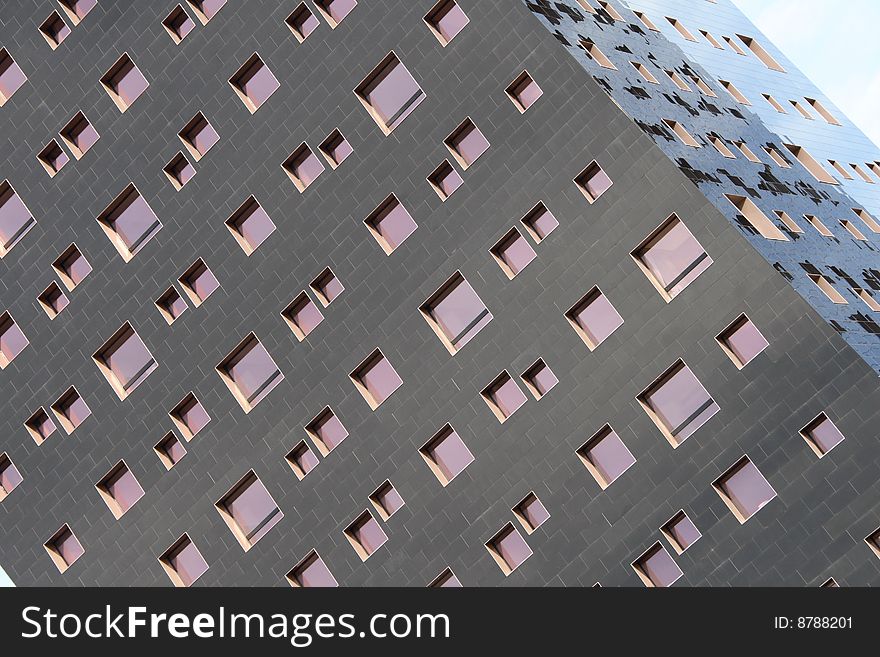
{"x": 413, "y": 293}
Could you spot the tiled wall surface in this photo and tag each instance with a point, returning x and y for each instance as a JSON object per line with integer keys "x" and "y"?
{"x": 813, "y": 530}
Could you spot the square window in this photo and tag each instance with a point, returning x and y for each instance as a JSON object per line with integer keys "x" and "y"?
{"x": 11, "y": 76}
{"x": 15, "y": 219}
{"x": 249, "y": 510}
{"x": 125, "y": 361}
{"x": 671, "y": 258}
{"x": 681, "y": 532}
{"x": 179, "y": 171}
{"x": 254, "y": 83}
{"x": 120, "y": 489}
{"x": 326, "y": 431}
{"x": 302, "y": 316}
{"x": 124, "y": 82}
{"x": 205, "y": 10}
{"x": 12, "y": 340}
{"x": 594, "y": 318}
{"x": 524, "y": 91}
{"x": 71, "y": 410}
{"x": 302, "y": 167}
{"x": 189, "y": 416}
{"x": 10, "y": 477}
{"x": 873, "y": 541}
{"x": 513, "y": 253}
{"x": 64, "y": 548}
{"x": 198, "y": 282}
{"x": 605, "y": 456}
{"x": 822, "y": 435}
{"x": 198, "y": 136}
{"x": 593, "y": 182}
{"x": 678, "y": 403}
{"x": 389, "y": 93}
{"x": 376, "y": 379}
{"x": 53, "y": 158}
{"x": 40, "y": 426}
{"x": 311, "y": 572}
{"x": 386, "y": 500}
{"x": 446, "y": 19}
{"x": 390, "y": 224}
{"x": 503, "y": 396}
{"x": 302, "y": 22}
{"x": 509, "y": 549}
{"x": 830, "y": 583}
{"x": 249, "y": 372}
{"x": 744, "y": 489}
{"x": 178, "y": 24}
{"x": 335, "y": 149}
{"x": 540, "y": 222}
{"x": 335, "y": 10}
{"x": 170, "y": 450}
{"x": 79, "y": 135}
{"x": 250, "y": 225}
{"x": 531, "y": 513}
{"x": 656, "y": 568}
{"x": 742, "y": 341}
{"x": 445, "y": 580}
{"x": 445, "y": 180}
{"x": 301, "y": 459}
{"x": 466, "y": 143}
{"x": 446, "y": 455}
{"x": 76, "y": 10}
{"x": 171, "y": 304}
{"x": 54, "y": 30}
{"x": 129, "y": 222}
{"x": 183, "y": 562}
{"x": 365, "y": 535}
{"x": 327, "y": 287}
{"x": 539, "y": 379}
{"x": 456, "y": 313}
{"x": 53, "y": 300}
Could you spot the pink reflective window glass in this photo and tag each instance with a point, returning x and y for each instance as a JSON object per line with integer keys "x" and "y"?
{"x": 11, "y": 76}
{"x": 824, "y": 434}
{"x": 201, "y": 281}
{"x": 448, "y": 19}
{"x": 254, "y": 225}
{"x": 533, "y": 511}
{"x": 329, "y": 286}
{"x": 75, "y": 266}
{"x": 80, "y": 7}
{"x": 681, "y": 403}
{"x": 9, "y": 475}
{"x": 42, "y": 424}
{"x": 389, "y": 499}
{"x": 193, "y": 415}
{"x": 512, "y": 547}
{"x": 597, "y": 318}
{"x": 314, "y": 573}
{"x": 129, "y": 359}
{"x": 253, "y": 371}
{"x": 516, "y": 252}
{"x": 745, "y": 341}
{"x": 15, "y": 219}
{"x": 304, "y": 458}
{"x": 179, "y": 22}
{"x": 81, "y": 133}
{"x": 253, "y": 510}
{"x": 337, "y": 9}
{"x": 393, "y": 93}
{"x": 257, "y": 83}
{"x": 12, "y": 339}
{"x": 446, "y": 180}
{"x": 683, "y": 530}
{"x": 506, "y": 395}
{"x": 675, "y": 258}
{"x": 394, "y": 223}
{"x": 173, "y": 449}
{"x": 594, "y": 181}
{"x": 173, "y": 304}
{"x": 124, "y": 488}
{"x": 74, "y": 408}
{"x": 369, "y": 534}
{"x": 68, "y": 547}
{"x": 303, "y": 21}
{"x": 305, "y": 315}
{"x": 329, "y": 429}
{"x": 380, "y": 379}
{"x": 459, "y": 312}
{"x": 447, "y": 580}
{"x": 306, "y": 166}
{"x": 609, "y": 456}
{"x": 201, "y": 135}
{"x": 747, "y": 489}
{"x": 450, "y": 454}
{"x": 54, "y": 157}
{"x": 526, "y": 91}
{"x": 337, "y": 148}
{"x": 209, "y": 7}
{"x": 134, "y": 221}
{"x": 541, "y": 378}
{"x": 468, "y": 142}
{"x": 188, "y": 563}
{"x": 181, "y": 169}
{"x": 128, "y": 82}
{"x": 659, "y": 566}
{"x": 541, "y": 222}
{"x": 55, "y": 299}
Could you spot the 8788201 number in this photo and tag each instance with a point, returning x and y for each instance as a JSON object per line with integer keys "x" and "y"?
{"x": 824, "y": 622}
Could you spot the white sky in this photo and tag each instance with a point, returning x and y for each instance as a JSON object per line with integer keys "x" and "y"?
{"x": 835, "y": 44}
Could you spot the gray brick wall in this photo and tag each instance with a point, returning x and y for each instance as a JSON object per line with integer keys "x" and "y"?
{"x": 813, "y": 530}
